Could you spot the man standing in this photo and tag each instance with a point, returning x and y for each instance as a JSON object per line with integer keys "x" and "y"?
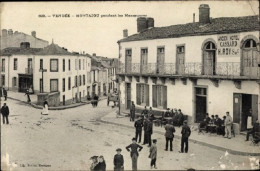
{"x": 134, "y": 153}
{"x": 180, "y": 117}
{"x": 145, "y": 111}
{"x": 218, "y": 123}
{"x": 132, "y": 112}
{"x": 149, "y": 131}
{"x": 185, "y": 132}
{"x": 228, "y": 124}
{"x": 169, "y": 134}
{"x": 138, "y": 129}
{"x": 5, "y": 113}
{"x": 145, "y": 129}
{"x": 5, "y": 93}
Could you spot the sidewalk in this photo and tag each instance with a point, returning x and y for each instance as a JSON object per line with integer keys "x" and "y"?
{"x": 236, "y": 145}
{"x": 22, "y": 98}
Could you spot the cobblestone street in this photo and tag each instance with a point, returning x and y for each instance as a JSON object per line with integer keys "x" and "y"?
{"x": 66, "y": 139}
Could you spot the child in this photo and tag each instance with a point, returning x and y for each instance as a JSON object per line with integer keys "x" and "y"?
{"x": 118, "y": 161}
{"x": 101, "y": 166}
{"x": 153, "y": 154}
{"x": 94, "y": 163}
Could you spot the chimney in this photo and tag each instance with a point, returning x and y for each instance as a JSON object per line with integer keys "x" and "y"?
{"x": 193, "y": 17}
{"x": 204, "y": 14}
{"x": 125, "y": 33}
{"x": 10, "y": 32}
{"x": 141, "y": 24}
{"x": 93, "y": 54}
{"x": 150, "y": 22}
{"x": 4, "y": 32}
{"x": 24, "y": 45}
{"x": 33, "y": 33}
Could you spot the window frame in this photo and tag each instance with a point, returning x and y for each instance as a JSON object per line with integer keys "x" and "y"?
{"x": 63, "y": 65}
{"x": 15, "y": 63}
{"x": 54, "y": 59}
{"x": 63, "y": 85}
{"x": 57, "y": 85}
{"x": 69, "y": 83}
{"x": 41, "y": 63}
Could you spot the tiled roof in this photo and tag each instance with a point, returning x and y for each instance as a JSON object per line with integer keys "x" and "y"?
{"x": 19, "y": 51}
{"x": 54, "y": 49}
{"x": 216, "y": 26}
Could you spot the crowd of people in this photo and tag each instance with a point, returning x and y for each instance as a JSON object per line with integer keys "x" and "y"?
{"x": 94, "y": 102}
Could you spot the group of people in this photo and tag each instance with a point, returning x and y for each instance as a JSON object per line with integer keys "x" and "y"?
{"x": 94, "y": 102}
{"x": 3, "y": 92}
{"x": 98, "y": 163}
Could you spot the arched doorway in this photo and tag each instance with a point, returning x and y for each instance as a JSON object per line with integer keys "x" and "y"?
{"x": 249, "y": 58}
{"x": 209, "y": 59}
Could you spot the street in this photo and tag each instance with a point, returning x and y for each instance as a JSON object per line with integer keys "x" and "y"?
{"x": 66, "y": 139}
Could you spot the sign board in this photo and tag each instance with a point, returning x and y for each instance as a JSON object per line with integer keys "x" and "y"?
{"x": 228, "y": 45}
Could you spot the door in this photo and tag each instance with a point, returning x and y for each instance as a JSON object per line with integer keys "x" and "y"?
{"x": 246, "y": 107}
{"x": 237, "y": 105}
{"x": 160, "y": 60}
{"x": 250, "y": 59}
{"x": 63, "y": 100}
{"x": 255, "y": 108}
{"x": 30, "y": 66}
{"x": 128, "y": 61}
{"x": 144, "y": 54}
{"x": 209, "y": 62}
{"x": 180, "y": 55}
{"x": 201, "y": 103}
{"x": 128, "y": 95}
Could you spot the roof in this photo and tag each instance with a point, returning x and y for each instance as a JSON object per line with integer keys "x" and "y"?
{"x": 18, "y": 51}
{"x": 54, "y": 49}
{"x": 216, "y": 26}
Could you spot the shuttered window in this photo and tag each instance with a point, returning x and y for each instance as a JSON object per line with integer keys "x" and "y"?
{"x": 159, "y": 96}
{"x": 54, "y": 65}
{"x": 54, "y": 85}
{"x": 142, "y": 94}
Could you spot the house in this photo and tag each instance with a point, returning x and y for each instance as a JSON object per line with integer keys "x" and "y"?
{"x": 210, "y": 66}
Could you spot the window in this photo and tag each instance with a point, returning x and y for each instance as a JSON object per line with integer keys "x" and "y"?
{"x": 210, "y": 46}
{"x": 15, "y": 63}
{"x": 160, "y": 96}
{"x": 144, "y": 51}
{"x": 80, "y": 80}
{"x": 79, "y": 64}
{"x": 180, "y": 49}
{"x": 3, "y": 65}
{"x": 3, "y": 80}
{"x": 128, "y": 52}
{"x": 54, "y": 65}
{"x": 76, "y": 64}
{"x": 14, "y": 81}
{"x": 69, "y": 65}
{"x": 69, "y": 83}
{"x": 201, "y": 91}
{"x": 41, "y": 63}
{"x": 142, "y": 94}
{"x": 76, "y": 81}
{"x": 54, "y": 85}
{"x": 160, "y": 50}
{"x": 63, "y": 84}
{"x": 250, "y": 43}
{"x": 63, "y": 65}
{"x": 84, "y": 80}
{"x": 30, "y": 63}
{"x": 83, "y": 64}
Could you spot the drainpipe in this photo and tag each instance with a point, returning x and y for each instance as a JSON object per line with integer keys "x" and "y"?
{"x": 8, "y": 71}
{"x": 119, "y": 92}
{"x": 77, "y": 78}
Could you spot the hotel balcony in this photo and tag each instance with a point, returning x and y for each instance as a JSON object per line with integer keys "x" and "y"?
{"x": 225, "y": 70}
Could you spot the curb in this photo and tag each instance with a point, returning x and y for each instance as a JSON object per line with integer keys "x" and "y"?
{"x": 234, "y": 152}
{"x": 55, "y": 108}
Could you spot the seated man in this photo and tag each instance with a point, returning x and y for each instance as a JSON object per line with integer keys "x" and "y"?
{"x": 207, "y": 118}
{"x": 212, "y": 119}
{"x": 218, "y": 123}
{"x": 252, "y": 131}
{"x": 203, "y": 124}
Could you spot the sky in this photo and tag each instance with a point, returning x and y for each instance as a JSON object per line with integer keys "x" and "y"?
{"x": 100, "y": 34}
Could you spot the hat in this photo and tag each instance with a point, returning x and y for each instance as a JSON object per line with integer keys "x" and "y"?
{"x": 119, "y": 149}
{"x": 94, "y": 157}
{"x": 133, "y": 139}
{"x": 179, "y": 110}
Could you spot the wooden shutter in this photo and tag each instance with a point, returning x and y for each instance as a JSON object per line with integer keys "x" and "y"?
{"x": 147, "y": 95}
{"x": 138, "y": 94}
{"x": 154, "y": 94}
{"x": 164, "y": 89}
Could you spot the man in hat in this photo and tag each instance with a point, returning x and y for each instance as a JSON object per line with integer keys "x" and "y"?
{"x": 118, "y": 161}
{"x": 94, "y": 163}
{"x": 138, "y": 129}
{"x": 5, "y": 113}
{"x": 180, "y": 117}
{"x": 185, "y": 132}
{"x": 149, "y": 131}
{"x": 134, "y": 152}
{"x": 169, "y": 134}
{"x": 145, "y": 123}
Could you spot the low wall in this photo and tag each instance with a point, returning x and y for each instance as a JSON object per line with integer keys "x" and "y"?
{"x": 53, "y": 99}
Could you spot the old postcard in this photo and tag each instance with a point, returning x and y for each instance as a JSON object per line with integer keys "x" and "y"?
{"x": 141, "y": 85}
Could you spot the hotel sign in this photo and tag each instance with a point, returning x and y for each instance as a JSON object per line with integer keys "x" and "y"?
{"x": 228, "y": 45}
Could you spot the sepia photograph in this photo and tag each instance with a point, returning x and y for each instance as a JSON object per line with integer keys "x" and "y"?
{"x": 130, "y": 85}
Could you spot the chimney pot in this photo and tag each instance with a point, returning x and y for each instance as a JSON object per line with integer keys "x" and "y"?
{"x": 125, "y": 33}
{"x": 33, "y": 33}
{"x": 4, "y": 32}
{"x": 10, "y": 32}
{"x": 150, "y": 22}
{"x": 141, "y": 24}
{"x": 94, "y": 54}
{"x": 204, "y": 13}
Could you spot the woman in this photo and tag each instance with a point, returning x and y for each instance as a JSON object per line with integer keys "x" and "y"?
{"x": 101, "y": 166}
{"x": 45, "y": 108}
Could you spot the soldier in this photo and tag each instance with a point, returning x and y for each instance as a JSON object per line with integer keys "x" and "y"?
{"x": 138, "y": 129}
{"x": 118, "y": 161}
{"x": 134, "y": 153}
{"x": 149, "y": 132}
{"x": 5, "y": 113}
{"x": 132, "y": 112}
{"x": 185, "y": 137}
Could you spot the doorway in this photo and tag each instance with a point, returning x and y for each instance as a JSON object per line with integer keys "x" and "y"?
{"x": 180, "y": 60}
{"x": 25, "y": 82}
{"x": 144, "y": 54}
{"x": 128, "y": 95}
{"x": 200, "y": 103}
{"x": 209, "y": 59}
{"x": 245, "y": 106}
{"x": 128, "y": 61}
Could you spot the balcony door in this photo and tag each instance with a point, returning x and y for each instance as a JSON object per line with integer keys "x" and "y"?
{"x": 250, "y": 59}
{"x": 143, "y": 62}
{"x": 128, "y": 61}
{"x": 209, "y": 59}
{"x": 160, "y": 60}
{"x": 180, "y": 59}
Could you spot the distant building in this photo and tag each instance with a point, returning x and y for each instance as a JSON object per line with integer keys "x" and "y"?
{"x": 14, "y": 39}
{"x": 65, "y": 73}
{"x": 210, "y": 66}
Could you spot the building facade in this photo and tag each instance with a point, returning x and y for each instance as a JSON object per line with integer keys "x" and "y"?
{"x": 210, "y": 66}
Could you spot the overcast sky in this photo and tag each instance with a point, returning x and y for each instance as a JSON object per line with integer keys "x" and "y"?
{"x": 100, "y": 35}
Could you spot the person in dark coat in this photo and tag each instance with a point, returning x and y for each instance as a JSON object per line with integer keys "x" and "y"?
{"x": 256, "y": 128}
{"x": 5, "y": 113}
{"x": 145, "y": 112}
{"x": 132, "y": 112}
{"x": 218, "y": 123}
{"x": 150, "y": 114}
{"x": 180, "y": 117}
{"x": 134, "y": 153}
{"x": 149, "y": 131}
{"x": 5, "y": 93}
{"x": 101, "y": 166}
{"x": 118, "y": 161}
{"x": 94, "y": 163}
{"x": 203, "y": 125}
{"x": 185, "y": 132}
{"x": 96, "y": 100}
{"x": 145, "y": 121}
{"x": 28, "y": 96}
{"x": 138, "y": 129}
{"x": 207, "y": 118}
{"x": 169, "y": 135}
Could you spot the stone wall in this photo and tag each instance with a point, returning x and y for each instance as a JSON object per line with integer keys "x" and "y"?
{"x": 53, "y": 99}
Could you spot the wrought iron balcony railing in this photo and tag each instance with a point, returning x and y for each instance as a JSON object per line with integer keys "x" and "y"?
{"x": 223, "y": 69}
